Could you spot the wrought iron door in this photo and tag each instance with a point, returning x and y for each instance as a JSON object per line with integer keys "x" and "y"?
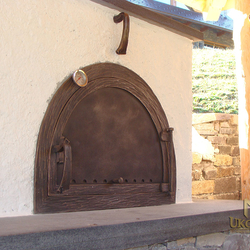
{"x": 110, "y": 146}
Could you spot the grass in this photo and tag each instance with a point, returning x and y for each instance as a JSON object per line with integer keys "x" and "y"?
{"x": 214, "y": 81}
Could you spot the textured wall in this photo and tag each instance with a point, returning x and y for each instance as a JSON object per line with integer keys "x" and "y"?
{"x": 42, "y": 43}
{"x": 217, "y": 176}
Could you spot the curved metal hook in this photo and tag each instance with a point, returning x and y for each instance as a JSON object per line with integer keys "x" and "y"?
{"x": 125, "y": 33}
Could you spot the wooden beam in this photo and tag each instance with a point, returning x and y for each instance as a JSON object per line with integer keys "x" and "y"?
{"x": 203, "y": 29}
{"x": 153, "y": 17}
{"x": 220, "y": 33}
{"x": 215, "y": 44}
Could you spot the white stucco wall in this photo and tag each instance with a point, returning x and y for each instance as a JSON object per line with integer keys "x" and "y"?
{"x": 42, "y": 43}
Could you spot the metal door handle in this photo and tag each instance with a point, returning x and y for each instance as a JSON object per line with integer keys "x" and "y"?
{"x": 67, "y": 164}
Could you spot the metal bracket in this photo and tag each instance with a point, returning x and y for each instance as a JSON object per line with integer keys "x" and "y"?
{"x": 125, "y": 33}
{"x": 166, "y": 135}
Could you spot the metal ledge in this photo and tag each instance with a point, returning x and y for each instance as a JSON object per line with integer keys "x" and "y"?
{"x": 118, "y": 228}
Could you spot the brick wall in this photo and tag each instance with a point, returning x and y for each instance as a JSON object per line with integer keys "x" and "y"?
{"x": 219, "y": 177}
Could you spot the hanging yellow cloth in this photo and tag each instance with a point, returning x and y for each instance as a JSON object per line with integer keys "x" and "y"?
{"x": 210, "y": 8}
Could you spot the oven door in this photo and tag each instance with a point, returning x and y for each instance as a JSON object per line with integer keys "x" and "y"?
{"x": 111, "y": 146}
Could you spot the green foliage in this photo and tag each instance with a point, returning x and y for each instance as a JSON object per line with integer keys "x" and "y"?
{"x": 214, "y": 81}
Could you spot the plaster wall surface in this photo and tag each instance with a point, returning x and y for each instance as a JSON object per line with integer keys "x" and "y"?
{"x": 44, "y": 42}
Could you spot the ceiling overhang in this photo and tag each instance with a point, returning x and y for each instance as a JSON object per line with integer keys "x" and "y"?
{"x": 154, "y": 17}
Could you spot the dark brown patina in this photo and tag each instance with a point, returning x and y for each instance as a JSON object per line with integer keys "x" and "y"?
{"x": 106, "y": 145}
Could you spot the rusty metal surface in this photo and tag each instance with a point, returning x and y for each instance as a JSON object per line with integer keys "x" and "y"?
{"x": 132, "y": 94}
{"x": 112, "y": 136}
